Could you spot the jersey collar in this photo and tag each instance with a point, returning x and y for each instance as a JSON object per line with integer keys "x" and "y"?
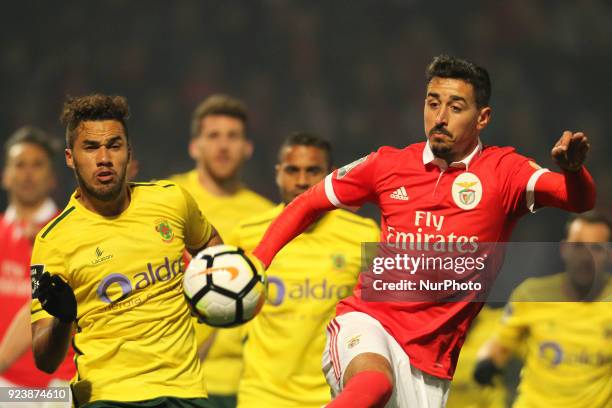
{"x": 46, "y": 211}
{"x": 428, "y": 157}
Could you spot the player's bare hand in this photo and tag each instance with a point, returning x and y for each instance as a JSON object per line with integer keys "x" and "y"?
{"x": 570, "y": 151}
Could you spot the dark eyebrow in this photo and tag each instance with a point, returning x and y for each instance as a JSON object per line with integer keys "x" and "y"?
{"x": 458, "y": 98}
{"x": 97, "y": 142}
{"x": 434, "y": 95}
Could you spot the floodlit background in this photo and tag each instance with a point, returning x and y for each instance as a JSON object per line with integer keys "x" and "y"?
{"x": 352, "y": 71}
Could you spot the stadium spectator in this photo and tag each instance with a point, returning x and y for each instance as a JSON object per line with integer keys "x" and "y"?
{"x": 220, "y": 146}
{"x": 284, "y": 343}
{"x": 564, "y": 323}
{"x": 451, "y": 186}
{"x": 134, "y": 336}
{"x": 28, "y": 178}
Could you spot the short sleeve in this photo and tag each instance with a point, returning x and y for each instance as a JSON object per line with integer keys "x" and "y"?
{"x": 518, "y": 175}
{"x": 197, "y": 228}
{"x": 352, "y": 185}
{"x": 45, "y": 258}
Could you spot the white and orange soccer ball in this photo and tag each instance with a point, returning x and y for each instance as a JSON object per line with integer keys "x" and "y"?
{"x": 222, "y": 286}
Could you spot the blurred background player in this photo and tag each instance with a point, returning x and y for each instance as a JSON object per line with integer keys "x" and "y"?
{"x": 28, "y": 179}
{"x": 284, "y": 344}
{"x": 220, "y": 146}
{"x": 466, "y": 392}
{"x": 450, "y": 187}
{"x": 111, "y": 264}
{"x": 565, "y": 323}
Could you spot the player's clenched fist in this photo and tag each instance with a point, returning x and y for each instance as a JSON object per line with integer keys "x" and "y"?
{"x": 570, "y": 151}
{"x": 57, "y": 297}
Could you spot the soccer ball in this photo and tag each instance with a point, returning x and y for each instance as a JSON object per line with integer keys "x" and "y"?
{"x": 222, "y": 286}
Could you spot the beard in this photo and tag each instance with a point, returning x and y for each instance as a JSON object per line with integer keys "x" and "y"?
{"x": 441, "y": 149}
{"x": 107, "y": 192}
{"x": 222, "y": 175}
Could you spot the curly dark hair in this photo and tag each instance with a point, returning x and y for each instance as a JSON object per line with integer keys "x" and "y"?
{"x": 93, "y": 107}
{"x": 444, "y": 66}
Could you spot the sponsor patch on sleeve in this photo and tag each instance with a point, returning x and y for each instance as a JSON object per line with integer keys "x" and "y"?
{"x": 36, "y": 272}
{"x": 343, "y": 171}
{"x": 535, "y": 165}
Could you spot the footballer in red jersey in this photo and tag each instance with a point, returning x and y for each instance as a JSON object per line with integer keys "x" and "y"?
{"x": 28, "y": 179}
{"x": 450, "y": 190}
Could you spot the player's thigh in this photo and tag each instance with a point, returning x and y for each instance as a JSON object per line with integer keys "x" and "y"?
{"x": 355, "y": 342}
{"x": 414, "y": 388}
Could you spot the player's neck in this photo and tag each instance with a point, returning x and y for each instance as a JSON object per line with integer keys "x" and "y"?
{"x": 109, "y": 208}
{"x": 26, "y": 212}
{"x": 587, "y": 293}
{"x": 217, "y": 187}
{"x": 454, "y": 157}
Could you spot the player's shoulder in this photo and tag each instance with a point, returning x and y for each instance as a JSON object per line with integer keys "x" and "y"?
{"x": 164, "y": 187}
{"x": 159, "y": 193}
{"x": 181, "y": 178}
{"x": 56, "y": 228}
{"x": 255, "y": 200}
{"x": 391, "y": 151}
{"x": 260, "y": 220}
{"x": 501, "y": 154}
{"x": 386, "y": 157}
{"x": 539, "y": 288}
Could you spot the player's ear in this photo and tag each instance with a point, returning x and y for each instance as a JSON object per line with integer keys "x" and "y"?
{"x": 69, "y": 158}
{"x": 248, "y": 149}
{"x": 484, "y": 116}
{"x": 194, "y": 151}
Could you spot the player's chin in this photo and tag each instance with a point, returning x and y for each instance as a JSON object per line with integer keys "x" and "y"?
{"x": 224, "y": 172}
{"x": 440, "y": 148}
{"x": 107, "y": 192}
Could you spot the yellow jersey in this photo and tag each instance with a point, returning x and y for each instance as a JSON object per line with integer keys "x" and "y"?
{"x": 134, "y": 339}
{"x": 285, "y": 342}
{"x": 568, "y": 360}
{"x": 464, "y": 391}
{"x": 224, "y": 360}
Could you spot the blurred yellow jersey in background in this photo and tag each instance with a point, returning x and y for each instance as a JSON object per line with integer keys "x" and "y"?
{"x": 568, "y": 361}
{"x": 464, "y": 391}
{"x": 135, "y": 338}
{"x": 224, "y": 359}
{"x": 285, "y": 342}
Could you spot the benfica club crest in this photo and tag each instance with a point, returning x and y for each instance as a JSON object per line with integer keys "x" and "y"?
{"x": 467, "y": 191}
{"x": 165, "y": 230}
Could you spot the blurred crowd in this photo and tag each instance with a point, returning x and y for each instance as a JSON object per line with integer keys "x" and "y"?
{"x": 352, "y": 71}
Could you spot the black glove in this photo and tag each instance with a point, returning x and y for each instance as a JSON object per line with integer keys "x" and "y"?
{"x": 57, "y": 297}
{"x": 485, "y": 371}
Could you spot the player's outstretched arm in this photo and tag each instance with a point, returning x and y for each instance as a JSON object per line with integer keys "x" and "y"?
{"x": 574, "y": 188}
{"x": 51, "y": 336}
{"x": 295, "y": 218}
{"x": 17, "y": 339}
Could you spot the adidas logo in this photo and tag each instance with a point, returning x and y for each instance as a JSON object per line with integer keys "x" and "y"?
{"x": 399, "y": 194}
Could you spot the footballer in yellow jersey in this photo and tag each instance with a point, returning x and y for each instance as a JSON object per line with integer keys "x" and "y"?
{"x": 220, "y": 146}
{"x": 568, "y": 342}
{"x": 110, "y": 266}
{"x": 285, "y": 342}
{"x": 465, "y": 392}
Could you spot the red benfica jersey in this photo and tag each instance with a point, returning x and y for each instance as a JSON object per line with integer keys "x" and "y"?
{"x": 421, "y": 198}
{"x": 16, "y": 289}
